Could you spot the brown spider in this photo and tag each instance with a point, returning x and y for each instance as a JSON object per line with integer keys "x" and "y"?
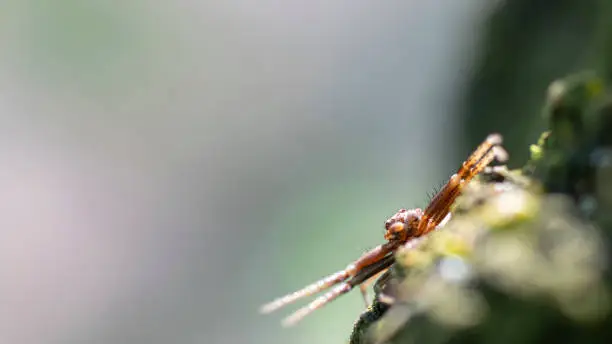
{"x": 402, "y": 227}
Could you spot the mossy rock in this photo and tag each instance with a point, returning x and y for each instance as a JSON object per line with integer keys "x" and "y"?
{"x": 524, "y": 258}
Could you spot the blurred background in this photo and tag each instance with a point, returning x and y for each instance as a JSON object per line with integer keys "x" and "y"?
{"x": 170, "y": 166}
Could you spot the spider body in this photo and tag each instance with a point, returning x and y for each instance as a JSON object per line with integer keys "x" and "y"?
{"x": 400, "y": 229}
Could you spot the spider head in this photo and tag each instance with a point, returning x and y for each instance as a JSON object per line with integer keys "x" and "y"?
{"x": 402, "y": 224}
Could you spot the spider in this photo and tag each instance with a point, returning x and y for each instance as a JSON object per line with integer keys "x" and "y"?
{"x": 404, "y": 226}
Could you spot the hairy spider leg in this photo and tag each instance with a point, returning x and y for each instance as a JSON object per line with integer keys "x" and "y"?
{"x": 491, "y": 141}
{"x": 310, "y": 289}
{"x": 366, "y": 274}
{"x": 493, "y": 154}
{"x": 437, "y": 210}
{"x": 441, "y": 200}
{"x": 362, "y": 276}
{"x": 351, "y": 270}
{"x": 316, "y": 304}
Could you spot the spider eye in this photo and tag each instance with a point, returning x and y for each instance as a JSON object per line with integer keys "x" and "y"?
{"x": 400, "y": 216}
{"x": 414, "y": 217}
{"x": 413, "y": 220}
{"x": 388, "y": 223}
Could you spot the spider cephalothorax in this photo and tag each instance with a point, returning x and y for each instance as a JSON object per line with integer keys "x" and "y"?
{"x": 403, "y": 224}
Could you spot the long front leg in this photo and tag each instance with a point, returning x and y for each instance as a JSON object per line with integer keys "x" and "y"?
{"x": 360, "y": 277}
{"x": 310, "y": 289}
{"x": 351, "y": 270}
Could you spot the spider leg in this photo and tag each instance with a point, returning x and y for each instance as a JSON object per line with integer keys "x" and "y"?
{"x": 363, "y": 287}
{"x": 491, "y": 141}
{"x": 310, "y": 289}
{"x": 495, "y": 153}
{"x": 440, "y": 205}
{"x": 380, "y": 286}
{"x": 363, "y": 275}
{"x": 316, "y": 304}
{"x": 351, "y": 270}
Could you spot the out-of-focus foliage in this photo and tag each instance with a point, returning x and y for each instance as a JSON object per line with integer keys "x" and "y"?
{"x": 526, "y": 45}
{"x": 524, "y": 258}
